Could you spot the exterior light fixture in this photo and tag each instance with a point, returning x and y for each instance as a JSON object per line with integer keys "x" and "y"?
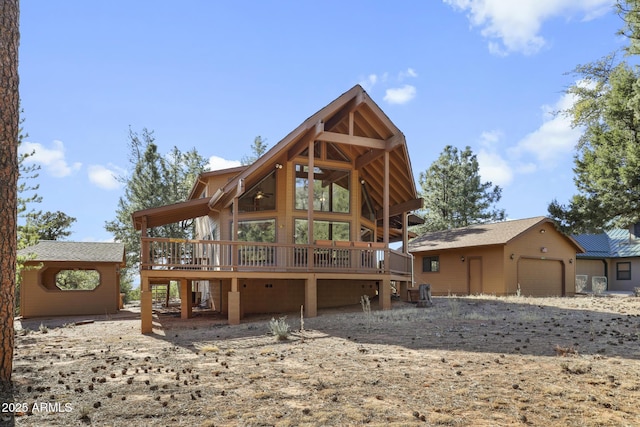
{"x": 570, "y": 260}
{"x": 278, "y": 166}
{"x": 513, "y": 256}
{"x": 542, "y": 231}
{"x": 543, "y": 250}
{"x": 462, "y": 258}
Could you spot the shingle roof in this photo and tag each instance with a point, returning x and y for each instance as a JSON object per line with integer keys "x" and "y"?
{"x": 616, "y": 243}
{"x": 52, "y": 250}
{"x": 498, "y": 233}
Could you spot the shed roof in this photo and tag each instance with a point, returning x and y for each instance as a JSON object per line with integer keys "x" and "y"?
{"x": 497, "y": 233}
{"x": 53, "y": 250}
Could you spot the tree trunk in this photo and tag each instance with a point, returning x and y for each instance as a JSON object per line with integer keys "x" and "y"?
{"x": 9, "y": 123}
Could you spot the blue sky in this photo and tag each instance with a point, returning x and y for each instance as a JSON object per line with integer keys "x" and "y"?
{"x": 215, "y": 74}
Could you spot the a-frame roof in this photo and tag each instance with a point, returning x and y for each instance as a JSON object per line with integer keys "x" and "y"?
{"x": 497, "y": 233}
{"x": 354, "y": 123}
{"x": 332, "y": 123}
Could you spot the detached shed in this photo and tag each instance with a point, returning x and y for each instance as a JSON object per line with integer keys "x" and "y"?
{"x": 529, "y": 254}
{"x": 71, "y": 278}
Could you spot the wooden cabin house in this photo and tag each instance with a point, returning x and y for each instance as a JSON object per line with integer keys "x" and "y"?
{"x": 307, "y": 224}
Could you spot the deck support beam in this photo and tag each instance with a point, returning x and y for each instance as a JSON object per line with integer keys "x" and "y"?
{"x": 384, "y": 294}
{"x": 146, "y": 306}
{"x": 311, "y": 296}
{"x": 186, "y": 299}
{"x": 234, "y": 312}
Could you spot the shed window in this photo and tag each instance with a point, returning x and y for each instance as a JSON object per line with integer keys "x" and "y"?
{"x": 623, "y": 270}
{"x": 430, "y": 264}
{"x": 77, "y": 280}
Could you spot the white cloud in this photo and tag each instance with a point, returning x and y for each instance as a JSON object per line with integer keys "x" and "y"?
{"x": 394, "y": 95}
{"x": 405, "y": 74}
{"x": 514, "y": 25}
{"x": 217, "y": 163}
{"x": 400, "y": 95}
{"x": 551, "y": 144}
{"x": 492, "y": 167}
{"x": 554, "y": 139}
{"x": 105, "y": 177}
{"x": 490, "y": 138}
{"x": 52, "y": 159}
{"x": 369, "y": 82}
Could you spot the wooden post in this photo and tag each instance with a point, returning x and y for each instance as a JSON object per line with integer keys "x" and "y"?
{"x": 234, "y": 236}
{"x": 384, "y": 293}
{"x": 144, "y": 245}
{"x": 234, "y": 313}
{"x": 186, "y": 295}
{"x": 311, "y": 296}
{"x": 146, "y": 307}
{"x": 405, "y": 232}
{"x": 310, "y": 179}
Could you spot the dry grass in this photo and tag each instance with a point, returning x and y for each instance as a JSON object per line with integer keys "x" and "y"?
{"x": 472, "y": 361}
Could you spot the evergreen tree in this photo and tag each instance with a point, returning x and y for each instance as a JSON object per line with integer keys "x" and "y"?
{"x": 258, "y": 148}
{"x": 9, "y": 169}
{"x": 629, "y": 11}
{"x": 155, "y": 181}
{"x": 454, "y": 195}
{"x": 50, "y": 225}
{"x": 607, "y": 162}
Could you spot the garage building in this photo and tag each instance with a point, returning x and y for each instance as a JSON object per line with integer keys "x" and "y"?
{"x": 530, "y": 256}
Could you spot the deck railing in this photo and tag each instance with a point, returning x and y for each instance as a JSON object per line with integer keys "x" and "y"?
{"x": 323, "y": 256}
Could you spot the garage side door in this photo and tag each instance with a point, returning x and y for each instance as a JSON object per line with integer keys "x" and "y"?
{"x": 540, "y": 277}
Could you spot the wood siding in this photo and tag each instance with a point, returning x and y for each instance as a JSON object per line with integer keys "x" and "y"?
{"x": 498, "y": 265}
{"x": 41, "y": 298}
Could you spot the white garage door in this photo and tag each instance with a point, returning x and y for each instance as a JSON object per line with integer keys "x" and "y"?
{"x": 540, "y": 277}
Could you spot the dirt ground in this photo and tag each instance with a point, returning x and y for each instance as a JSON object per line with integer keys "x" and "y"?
{"x": 472, "y": 361}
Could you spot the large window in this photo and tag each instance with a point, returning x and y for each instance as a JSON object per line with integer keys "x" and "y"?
{"x": 430, "y": 264}
{"x": 623, "y": 270}
{"x": 261, "y": 196}
{"x": 257, "y": 231}
{"x": 330, "y": 189}
{"x": 322, "y": 230}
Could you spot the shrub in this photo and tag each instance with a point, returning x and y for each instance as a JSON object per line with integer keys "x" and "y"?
{"x": 279, "y": 328}
{"x": 366, "y": 309}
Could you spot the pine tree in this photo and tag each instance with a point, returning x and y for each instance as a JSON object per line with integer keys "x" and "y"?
{"x": 454, "y": 195}
{"x": 155, "y": 181}
{"x": 258, "y": 148}
{"x": 9, "y": 131}
{"x": 607, "y": 162}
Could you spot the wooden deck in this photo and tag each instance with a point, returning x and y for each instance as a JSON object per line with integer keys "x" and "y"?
{"x": 178, "y": 255}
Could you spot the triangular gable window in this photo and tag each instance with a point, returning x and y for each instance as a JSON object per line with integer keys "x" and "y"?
{"x": 317, "y": 150}
{"x": 260, "y": 197}
{"x": 335, "y": 153}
